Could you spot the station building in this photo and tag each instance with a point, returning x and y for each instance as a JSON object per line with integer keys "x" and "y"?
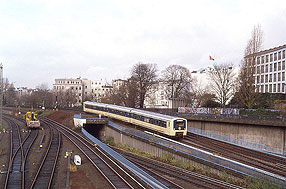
{"x": 269, "y": 70}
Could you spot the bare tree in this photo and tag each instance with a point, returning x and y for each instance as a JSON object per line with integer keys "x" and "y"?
{"x": 247, "y": 90}
{"x": 42, "y": 93}
{"x": 177, "y": 79}
{"x": 145, "y": 75}
{"x": 70, "y": 98}
{"x": 222, "y": 83}
{"x": 10, "y": 97}
{"x": 117, "y": 95}
{"x": 201, "y": 93}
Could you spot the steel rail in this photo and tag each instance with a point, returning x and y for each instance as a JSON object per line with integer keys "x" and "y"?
{"x": 51, "y": 156}
{"x": 178, "y": 173}
{"x": 27, "y": 146}
{"x": 15, "y": 161}
{"x": 213, "y": 147}
{"x": 115, "y": 180}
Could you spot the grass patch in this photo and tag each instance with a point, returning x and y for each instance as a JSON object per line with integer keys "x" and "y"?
{"x": 262, "y": 184}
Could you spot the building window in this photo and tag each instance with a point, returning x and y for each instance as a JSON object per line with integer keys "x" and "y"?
{"x": 283, "y": 87}
{"x": 266, "y": 58}
{"x": 266, "y": 78}
{"x": 262, "y": 79}
{"x": 283, "y": 76}
{"x": 275, "y": 67}
{"x": 270, "y": 78}
{"x": 79, "y": 94}
{"x": 63, "y": 87}
{"x": 75, "y": 88}
{"x": 271, "y": 57}
{"x": 266, "y": 88}
{"x": 274, "y": 75}
{"x": 262, "y": 59}
{"x": 266, "y": 68}
{"x": 279, "y": 66}
{"x": 257, "y": 80}
{"x": 270, "y": 65}
{"x": 275, "y": 56}
{"x": 262, "y": 69}
{"x": 270, "y": 88}
{"x": 283, "y": 54}
{"x": 279, "y": 55}
{"x": 283, "y": 65}
{"x": 258, "y": 69}
{"x": 278, "y": 89}
{"x": 258, "y": 60}
{"x": 86, "y": 87}
{"x": 274, "y": 88}
{"x": 79, "y": 88}
{"x": 262, "y": 88}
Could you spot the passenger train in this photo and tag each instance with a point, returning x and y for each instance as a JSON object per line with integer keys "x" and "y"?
{"x": 164, "y": 124}
{"x": 32, "y": 120}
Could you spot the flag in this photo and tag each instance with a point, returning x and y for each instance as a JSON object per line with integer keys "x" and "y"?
{"x": 211, "y": 58}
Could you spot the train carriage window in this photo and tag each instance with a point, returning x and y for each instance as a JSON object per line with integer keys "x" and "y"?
{"x": 156, "y": 122}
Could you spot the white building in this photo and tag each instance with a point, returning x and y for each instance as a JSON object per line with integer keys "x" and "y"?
{"x": 156, "y": 97}
{"x": 118, "y": 82}
{"x": 269, "y": 69}
{"x": 83, "y": 88}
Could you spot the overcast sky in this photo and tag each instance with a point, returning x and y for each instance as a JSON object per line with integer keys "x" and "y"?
{"x": 102, "y": 39}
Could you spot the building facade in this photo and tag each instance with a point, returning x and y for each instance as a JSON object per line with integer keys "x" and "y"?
{"x": 269, "y": 69}
{"x": 82, "y": 89}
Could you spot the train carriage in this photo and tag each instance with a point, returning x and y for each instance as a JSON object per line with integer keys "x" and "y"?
{"x": 164, "y": 124}
{"x": 32, "y": 120}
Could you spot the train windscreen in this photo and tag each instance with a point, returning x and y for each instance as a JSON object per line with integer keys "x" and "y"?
{"x": 179, "y": 124}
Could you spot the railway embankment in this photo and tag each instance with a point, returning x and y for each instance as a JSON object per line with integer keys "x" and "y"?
{"x": 160, "y": 147}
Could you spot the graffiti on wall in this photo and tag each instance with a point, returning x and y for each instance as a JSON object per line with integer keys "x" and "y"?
{"x": 225, "y": 111}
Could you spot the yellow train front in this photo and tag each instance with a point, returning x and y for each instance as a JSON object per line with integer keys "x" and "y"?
{"x": 32, "y": 120}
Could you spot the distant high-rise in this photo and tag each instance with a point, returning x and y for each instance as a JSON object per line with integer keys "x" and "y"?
{"x": 269, "y": 70}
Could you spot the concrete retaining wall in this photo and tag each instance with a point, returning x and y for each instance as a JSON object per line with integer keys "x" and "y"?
{"x": 268, "y": 135}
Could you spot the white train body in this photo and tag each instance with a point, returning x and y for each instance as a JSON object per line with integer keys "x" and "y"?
{"x": 164, "y": 124}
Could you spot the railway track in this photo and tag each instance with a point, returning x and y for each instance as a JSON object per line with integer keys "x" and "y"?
{"x": 14, "y": 173}
{"x": 114, "y": 174}
{"x": 19, "y": 151}
{"x": 46, "y": 170}
{"x": 159, "y": 168}
{"x": 253, "y": 158}
{"x": 28, "y": 142}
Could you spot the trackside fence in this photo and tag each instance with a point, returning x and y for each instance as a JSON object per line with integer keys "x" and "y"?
{"x": 236, "y": 141}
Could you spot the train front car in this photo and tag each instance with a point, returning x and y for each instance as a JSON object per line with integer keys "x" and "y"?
{"x": 32, "y": 120}
{"x": 179, "y": 127}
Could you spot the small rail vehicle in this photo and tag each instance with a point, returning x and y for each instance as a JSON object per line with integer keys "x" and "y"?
{"x": 170, "y": 126}
{"x": 32, "y": 120}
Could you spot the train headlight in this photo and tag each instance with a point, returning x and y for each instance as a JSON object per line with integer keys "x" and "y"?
{"x": 180, "y": 128}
